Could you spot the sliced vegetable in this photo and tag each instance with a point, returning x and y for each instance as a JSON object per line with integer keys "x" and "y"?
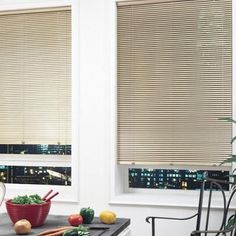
{"x": 87, "y": 214}
{"x": 78, "y": 231}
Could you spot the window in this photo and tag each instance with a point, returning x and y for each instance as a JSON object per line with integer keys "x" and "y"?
{"x": 35, "y": 98}
{"x": 48, "y": 175}
{"x": 174, "y": 80}
{"x": 173, "y": 179}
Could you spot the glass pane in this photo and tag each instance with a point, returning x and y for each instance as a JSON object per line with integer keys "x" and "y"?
{"x": 35, "y": 175}
{"x": 173, "y": 179}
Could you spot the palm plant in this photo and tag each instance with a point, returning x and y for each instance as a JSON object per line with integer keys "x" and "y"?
{"x": 232, "y": 157}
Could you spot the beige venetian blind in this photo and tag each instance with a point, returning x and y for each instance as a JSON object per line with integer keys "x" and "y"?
{"x": 35, "y": 77}
{"x": 174, "y": 82}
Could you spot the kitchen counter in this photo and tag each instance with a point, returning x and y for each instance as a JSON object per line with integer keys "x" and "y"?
{"x": 53, "y": 221}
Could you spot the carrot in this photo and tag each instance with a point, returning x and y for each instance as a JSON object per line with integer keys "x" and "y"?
{"x": 48, "y": 232}
{"x": 58, "y": 233}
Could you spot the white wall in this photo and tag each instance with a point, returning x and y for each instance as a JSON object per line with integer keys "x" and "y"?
{"x": 93, "y": 28}
{"x": 96, "y": 44}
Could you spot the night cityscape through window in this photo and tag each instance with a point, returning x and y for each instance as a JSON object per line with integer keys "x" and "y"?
{"x": 172, "y": 179}
{"x": 35, "y": 174}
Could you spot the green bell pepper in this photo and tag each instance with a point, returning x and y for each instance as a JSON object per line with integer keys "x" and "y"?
{"x": 87, "y": 214}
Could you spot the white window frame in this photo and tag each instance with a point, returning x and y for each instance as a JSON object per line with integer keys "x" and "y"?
{"x": 66, "y": 193}
{"x": 120, "y": 193}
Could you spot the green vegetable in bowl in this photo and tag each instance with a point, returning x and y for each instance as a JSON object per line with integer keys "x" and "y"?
{"x": 32, "y": 199}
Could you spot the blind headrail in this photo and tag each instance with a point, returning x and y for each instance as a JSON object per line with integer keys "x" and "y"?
{"x": 34, "y": 10}
{"x": 142, "y": 2}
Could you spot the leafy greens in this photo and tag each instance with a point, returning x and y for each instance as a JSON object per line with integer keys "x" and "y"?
{"x": 32, "y": 199}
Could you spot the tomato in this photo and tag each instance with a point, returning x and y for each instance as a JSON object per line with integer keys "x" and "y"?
{"x": 75, "y": 219}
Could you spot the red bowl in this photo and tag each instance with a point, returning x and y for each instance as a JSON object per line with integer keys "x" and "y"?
{"x": 36, "y": 214}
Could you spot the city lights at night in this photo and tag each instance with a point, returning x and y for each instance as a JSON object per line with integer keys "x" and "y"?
{"x": 48, "y": 175}
{"x": 172, "y": 179}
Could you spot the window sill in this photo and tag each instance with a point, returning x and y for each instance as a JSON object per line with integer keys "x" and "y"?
{"x": 166, "y": 199}
{"x": 36, "y": 160}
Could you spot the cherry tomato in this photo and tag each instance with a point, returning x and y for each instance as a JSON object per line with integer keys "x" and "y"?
{"x": 75, "y": 219}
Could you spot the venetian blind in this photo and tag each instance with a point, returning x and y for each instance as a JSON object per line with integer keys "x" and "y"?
{"x": 35, "y": 77}
{"x": 174, "y": 82}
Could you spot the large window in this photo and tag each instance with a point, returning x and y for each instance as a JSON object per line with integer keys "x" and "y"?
{"x": 35, "y": 96}
{"x": 174, "y": 82}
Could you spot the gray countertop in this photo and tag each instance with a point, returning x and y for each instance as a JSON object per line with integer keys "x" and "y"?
{"x": 53, "y": 221}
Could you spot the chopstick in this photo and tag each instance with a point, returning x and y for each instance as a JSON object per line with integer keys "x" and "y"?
{"x": 47, "y": 198}
{"x": 50, "y": 191}
{"x": 52, "y": 196}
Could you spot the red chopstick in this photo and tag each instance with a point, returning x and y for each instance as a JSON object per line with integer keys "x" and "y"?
{"x": 50, "y": 191}
{"x": 52, "y": 196}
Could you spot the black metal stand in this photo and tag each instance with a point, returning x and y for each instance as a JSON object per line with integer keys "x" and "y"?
{"x": 224, "y": 229}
